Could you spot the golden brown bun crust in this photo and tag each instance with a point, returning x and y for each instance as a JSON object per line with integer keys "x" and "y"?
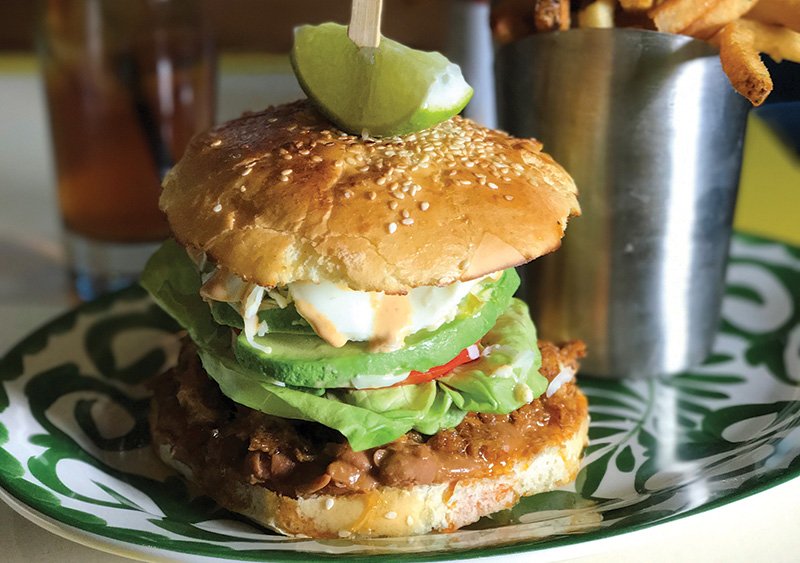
{"x": 282, "y": 196}
{"x": 393, "y": 511}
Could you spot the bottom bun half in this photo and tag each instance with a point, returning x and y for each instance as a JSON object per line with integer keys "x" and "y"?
{"x": 384, "y": 510}
{"x": 392, "y": 511}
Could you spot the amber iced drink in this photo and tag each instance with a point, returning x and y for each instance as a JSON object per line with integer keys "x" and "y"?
{"x": 128, "y": 84}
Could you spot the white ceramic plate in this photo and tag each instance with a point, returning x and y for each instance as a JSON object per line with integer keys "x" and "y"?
{"x": 75, "y": 456}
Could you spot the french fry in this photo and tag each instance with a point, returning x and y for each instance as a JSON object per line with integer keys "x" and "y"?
{"x": 636, "y": 5}
{"x": 783, "y": 12}
{"x": 742, "y": 63}
{"x": 599, "y": 13}
{"x": 551, "y": 15}
{"x": 775, "y": 40}
{"x": 718, "y": 16}
{"x": 742, "y": 29}
{"x": 673, "y": 16}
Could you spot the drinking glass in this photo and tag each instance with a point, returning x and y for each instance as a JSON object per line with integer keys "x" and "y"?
{"x": 127, "y": 85}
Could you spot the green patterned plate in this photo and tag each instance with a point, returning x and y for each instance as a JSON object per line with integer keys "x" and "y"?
{"x": 75, "y": 458}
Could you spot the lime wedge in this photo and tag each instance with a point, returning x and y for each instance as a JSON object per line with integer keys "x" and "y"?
{"x": 388, "y": 90}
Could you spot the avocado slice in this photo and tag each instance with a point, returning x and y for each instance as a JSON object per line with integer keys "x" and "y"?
{"x": 309, "y": 361}
{"x": 286, "y": 320}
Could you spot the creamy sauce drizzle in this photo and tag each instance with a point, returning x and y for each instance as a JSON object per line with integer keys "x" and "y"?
{"x": 223, "y": 286}
{"x": 324, "y": 328}
{"x": 392, "y": 321}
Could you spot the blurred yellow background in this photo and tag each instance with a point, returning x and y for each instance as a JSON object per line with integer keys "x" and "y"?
{"x": 769, "y": 194}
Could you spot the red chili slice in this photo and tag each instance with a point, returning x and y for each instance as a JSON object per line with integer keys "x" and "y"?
{"x": 416, "y": 377}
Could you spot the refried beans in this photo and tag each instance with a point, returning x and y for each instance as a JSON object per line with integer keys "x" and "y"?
{"x": 222, "y": 440}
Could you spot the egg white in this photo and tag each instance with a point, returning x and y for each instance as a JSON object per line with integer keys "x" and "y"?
{"x": 353, "y": 314}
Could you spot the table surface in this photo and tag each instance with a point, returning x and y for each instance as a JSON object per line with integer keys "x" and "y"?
{"x": 33, "y": 289}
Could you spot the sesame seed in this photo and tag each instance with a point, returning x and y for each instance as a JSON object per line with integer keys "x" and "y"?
{"x": 272, "y": 119}
{"x": 398, "y": 195}
{"x": 392, "y": 228}
{"x": 407, "y": 221}
{"x": 286, "y": 172}
{"x": 404, "y": 213}
{"x": 328, "y": 504}
{"x": 381, "y": 181}
{"x": 284, "y": 178}
{"x": 390, "y": 515}
{"x": 246, "y": 171}
{"x": 492, "y": 185}
{"x": 242, "y": 188}
{"x": 392, "y": 205}
{"x": 217, "y": 208}
{"x": 371, "y": 195}
{"x": 424, "y": 205}
{"x": 350, "y": 160}
{"x": 344, "y": 533}
{"x": 316, "y": 159}
{"x": 287, "y": 156}
{"x": 348, "y": 194}
{"x": 508, "y": 197}
{"x": 216, "y": 143}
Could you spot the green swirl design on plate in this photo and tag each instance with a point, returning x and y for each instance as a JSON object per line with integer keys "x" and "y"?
{"x": 74, "y": 444}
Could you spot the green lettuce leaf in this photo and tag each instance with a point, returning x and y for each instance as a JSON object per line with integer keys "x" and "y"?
{"x": 362, "y": 427}
{"x": 498, "y": 382}
{"x": 506, "y": 378}
{"x": 287, "y": 321}
{"x": 173, "y": 281}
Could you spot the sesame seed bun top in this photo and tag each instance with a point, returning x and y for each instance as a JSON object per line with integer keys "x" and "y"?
{"x": 281, "y": 196}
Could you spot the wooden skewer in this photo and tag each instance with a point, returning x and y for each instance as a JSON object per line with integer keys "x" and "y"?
{"x": 365, "y": 23}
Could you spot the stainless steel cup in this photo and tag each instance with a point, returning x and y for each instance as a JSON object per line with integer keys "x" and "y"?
{"x": 652, "y": 132}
